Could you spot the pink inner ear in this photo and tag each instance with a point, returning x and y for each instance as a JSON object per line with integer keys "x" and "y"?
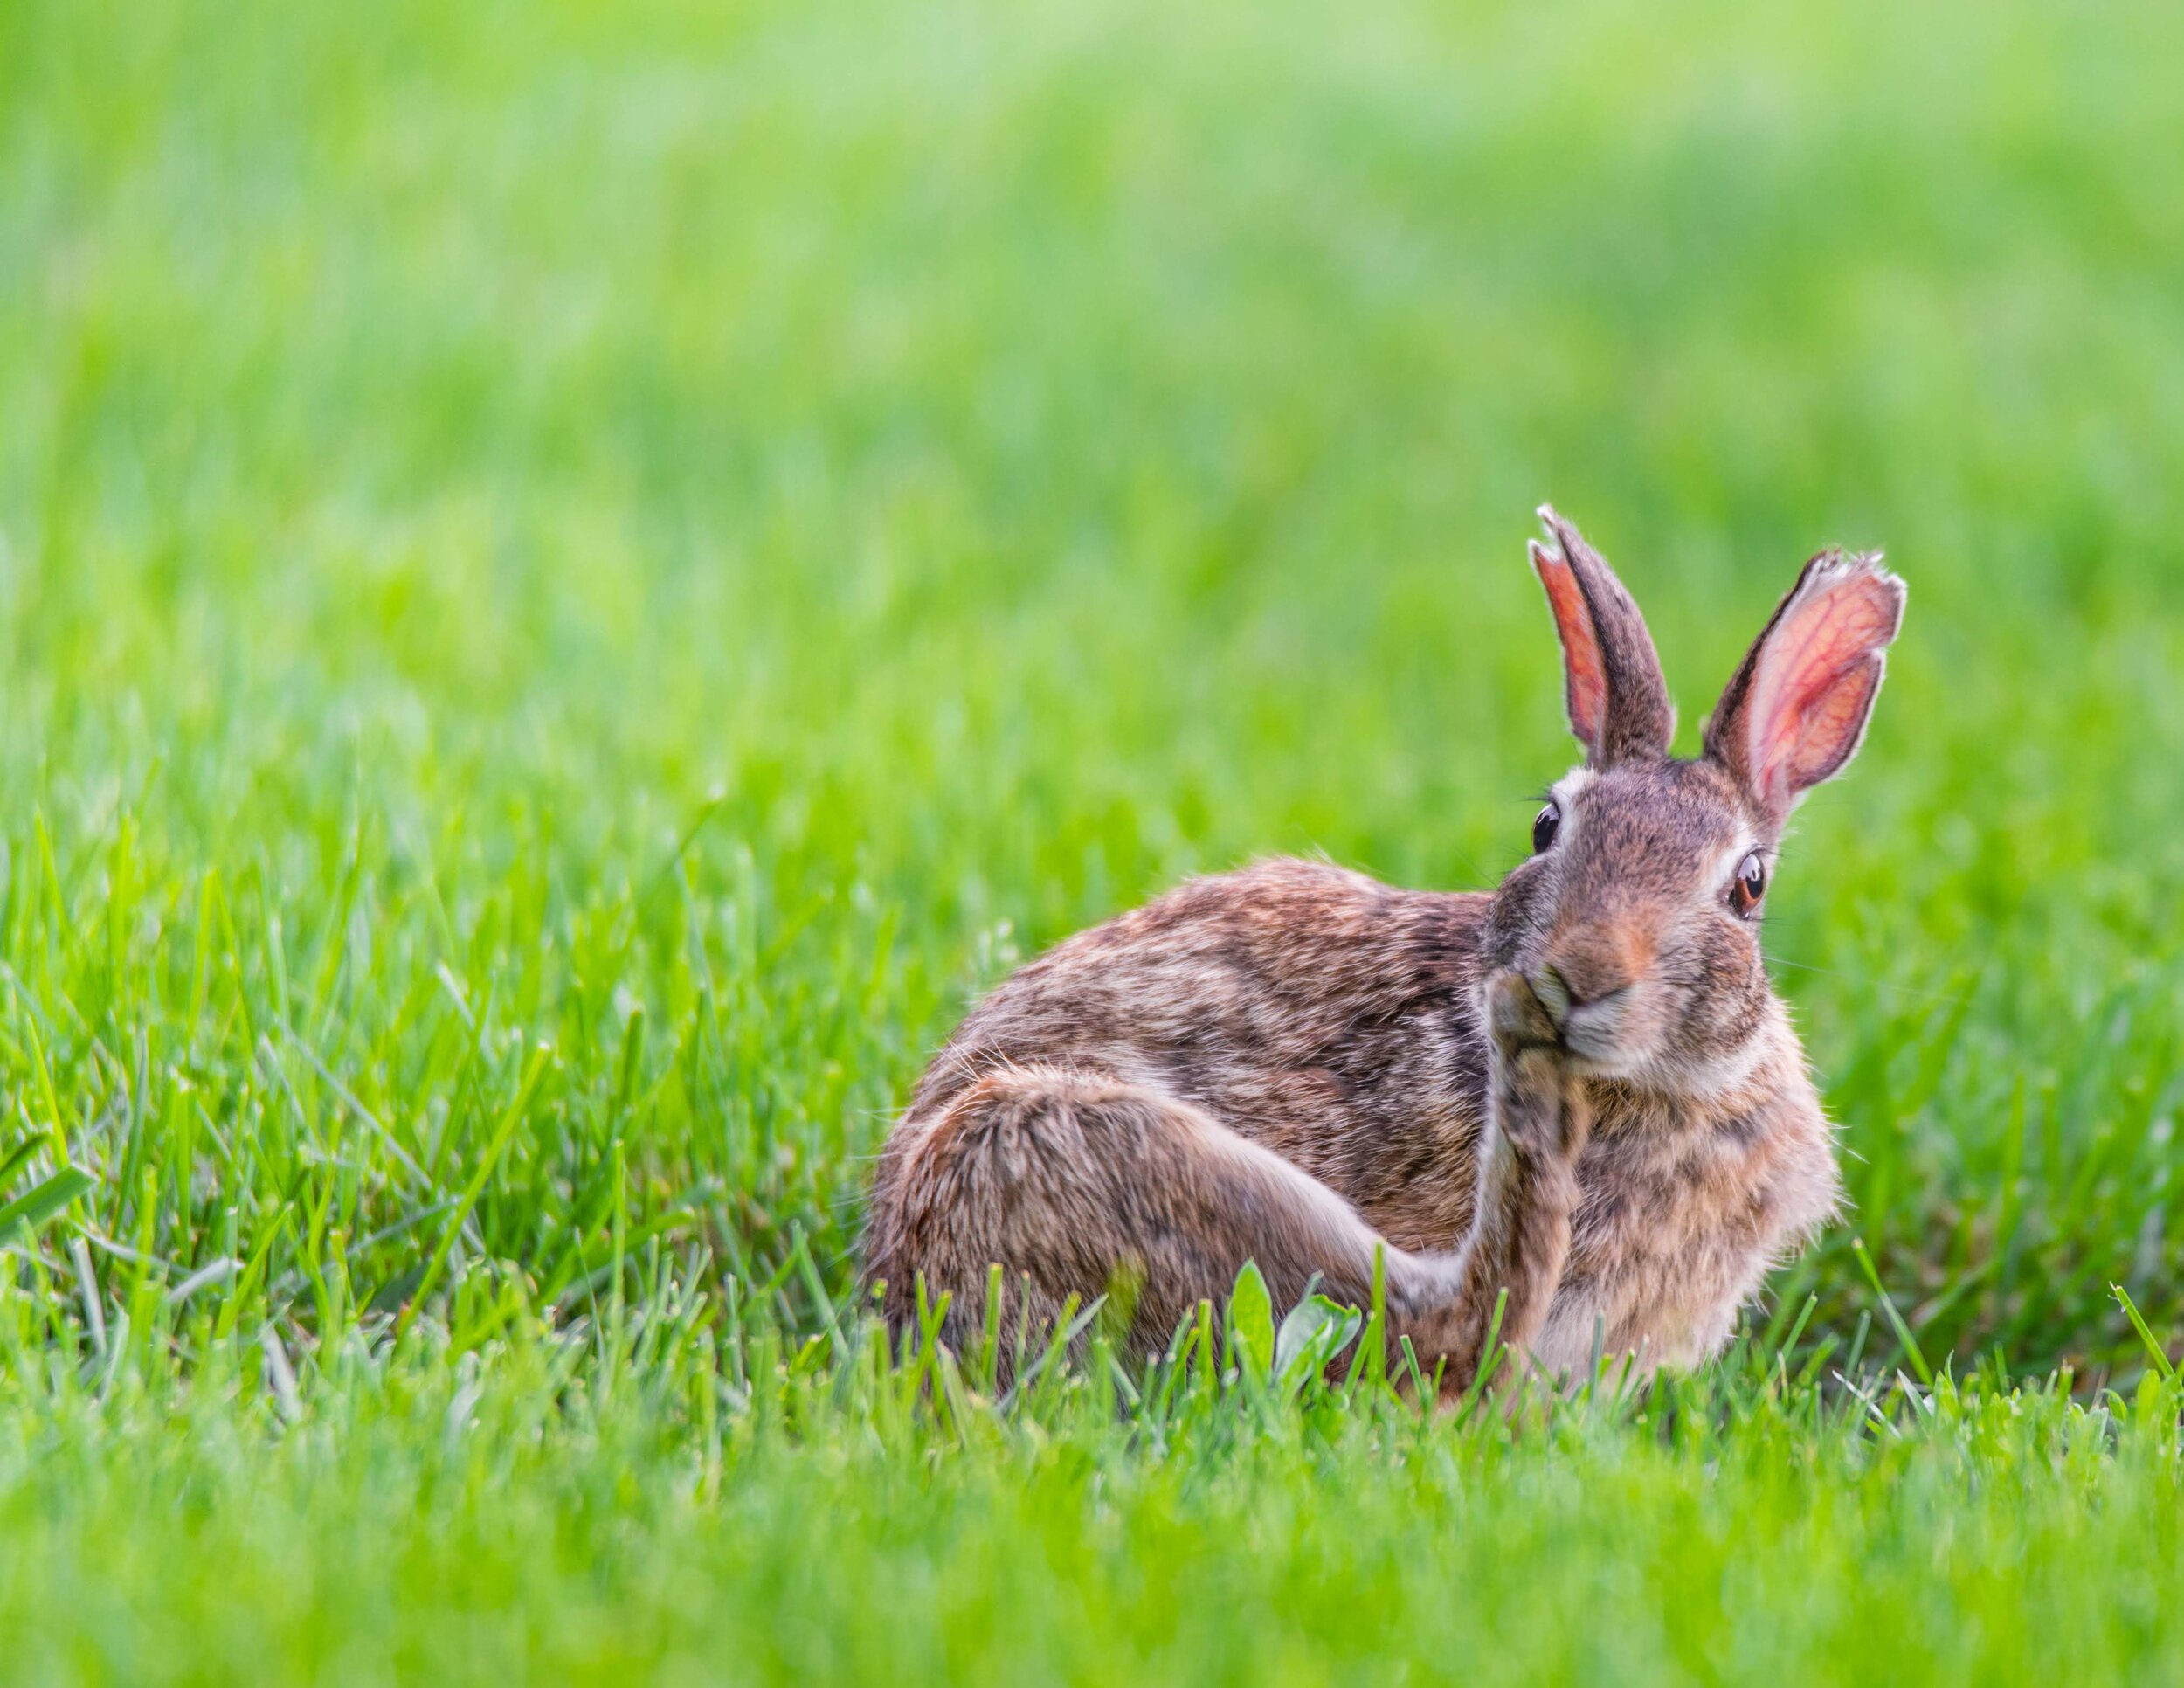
{"x": 1834, "y": 724}
{"x": 1816, "y": 681}
{"x": 1581, "y": 662}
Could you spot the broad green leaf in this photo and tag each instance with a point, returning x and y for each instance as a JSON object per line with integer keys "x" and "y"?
{"x": 1316, "y": 1331}
{"x": 1251, "y": 1324}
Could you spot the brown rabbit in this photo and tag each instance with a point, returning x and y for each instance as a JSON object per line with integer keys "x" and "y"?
{"x": 1579, "y": 1088}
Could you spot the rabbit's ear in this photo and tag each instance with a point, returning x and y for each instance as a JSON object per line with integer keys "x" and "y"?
{"x": 1619, "y": 703}
{"x": 1797, "y": 708}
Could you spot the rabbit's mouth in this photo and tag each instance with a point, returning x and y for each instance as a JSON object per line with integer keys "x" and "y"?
{"x": 1595, "y": 1030}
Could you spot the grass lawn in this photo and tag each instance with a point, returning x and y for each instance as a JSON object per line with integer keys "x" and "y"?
{"x": 573, "y": 579}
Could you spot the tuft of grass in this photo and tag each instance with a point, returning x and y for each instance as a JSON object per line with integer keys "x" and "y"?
{"x": 688, "y": 1490}
{"x": 573, "y": 580}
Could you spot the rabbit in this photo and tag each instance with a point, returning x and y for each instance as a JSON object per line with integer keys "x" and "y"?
{"x": 1575, "y": 1099}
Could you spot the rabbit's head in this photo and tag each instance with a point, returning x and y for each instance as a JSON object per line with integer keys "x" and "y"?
{"x": 1636, "y": 918}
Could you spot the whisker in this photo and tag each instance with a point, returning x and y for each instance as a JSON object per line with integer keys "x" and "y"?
{"x": 1910, "y": 990}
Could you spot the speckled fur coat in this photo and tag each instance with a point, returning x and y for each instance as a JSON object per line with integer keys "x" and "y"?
{"x": 1578, "y": 1090}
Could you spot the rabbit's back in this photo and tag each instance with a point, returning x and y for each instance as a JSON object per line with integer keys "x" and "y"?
{"x": 1315, "y": 1011}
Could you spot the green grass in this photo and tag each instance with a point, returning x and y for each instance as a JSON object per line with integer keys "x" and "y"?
{"x": 573, "y": 579}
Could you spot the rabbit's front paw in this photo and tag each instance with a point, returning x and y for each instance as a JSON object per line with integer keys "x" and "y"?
{"x": 1536, "y": 1104}
{"x": 1516, "y": 1018}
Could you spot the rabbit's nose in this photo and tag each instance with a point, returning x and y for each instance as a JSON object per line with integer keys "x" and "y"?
{"x": 1590, "y": 965}
{"x": 1560, "y": 997}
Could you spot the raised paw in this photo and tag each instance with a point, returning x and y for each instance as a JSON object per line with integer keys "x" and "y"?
{"x": 1537, "y": 1107}
{"x": 1516, "y": 1018}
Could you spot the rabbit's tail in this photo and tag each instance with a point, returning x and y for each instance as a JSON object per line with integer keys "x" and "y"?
{"x": 1080, "y": 1186}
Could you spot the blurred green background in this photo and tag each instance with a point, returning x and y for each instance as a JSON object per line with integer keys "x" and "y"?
{"x": 699, "y": 535}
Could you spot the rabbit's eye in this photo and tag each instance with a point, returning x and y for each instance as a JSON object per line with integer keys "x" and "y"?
{"x": 1751, "y": 884}
{"x": 1545, "y": 826}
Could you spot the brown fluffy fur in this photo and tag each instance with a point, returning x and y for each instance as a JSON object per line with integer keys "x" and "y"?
{"x": 1579, "y": 1090}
